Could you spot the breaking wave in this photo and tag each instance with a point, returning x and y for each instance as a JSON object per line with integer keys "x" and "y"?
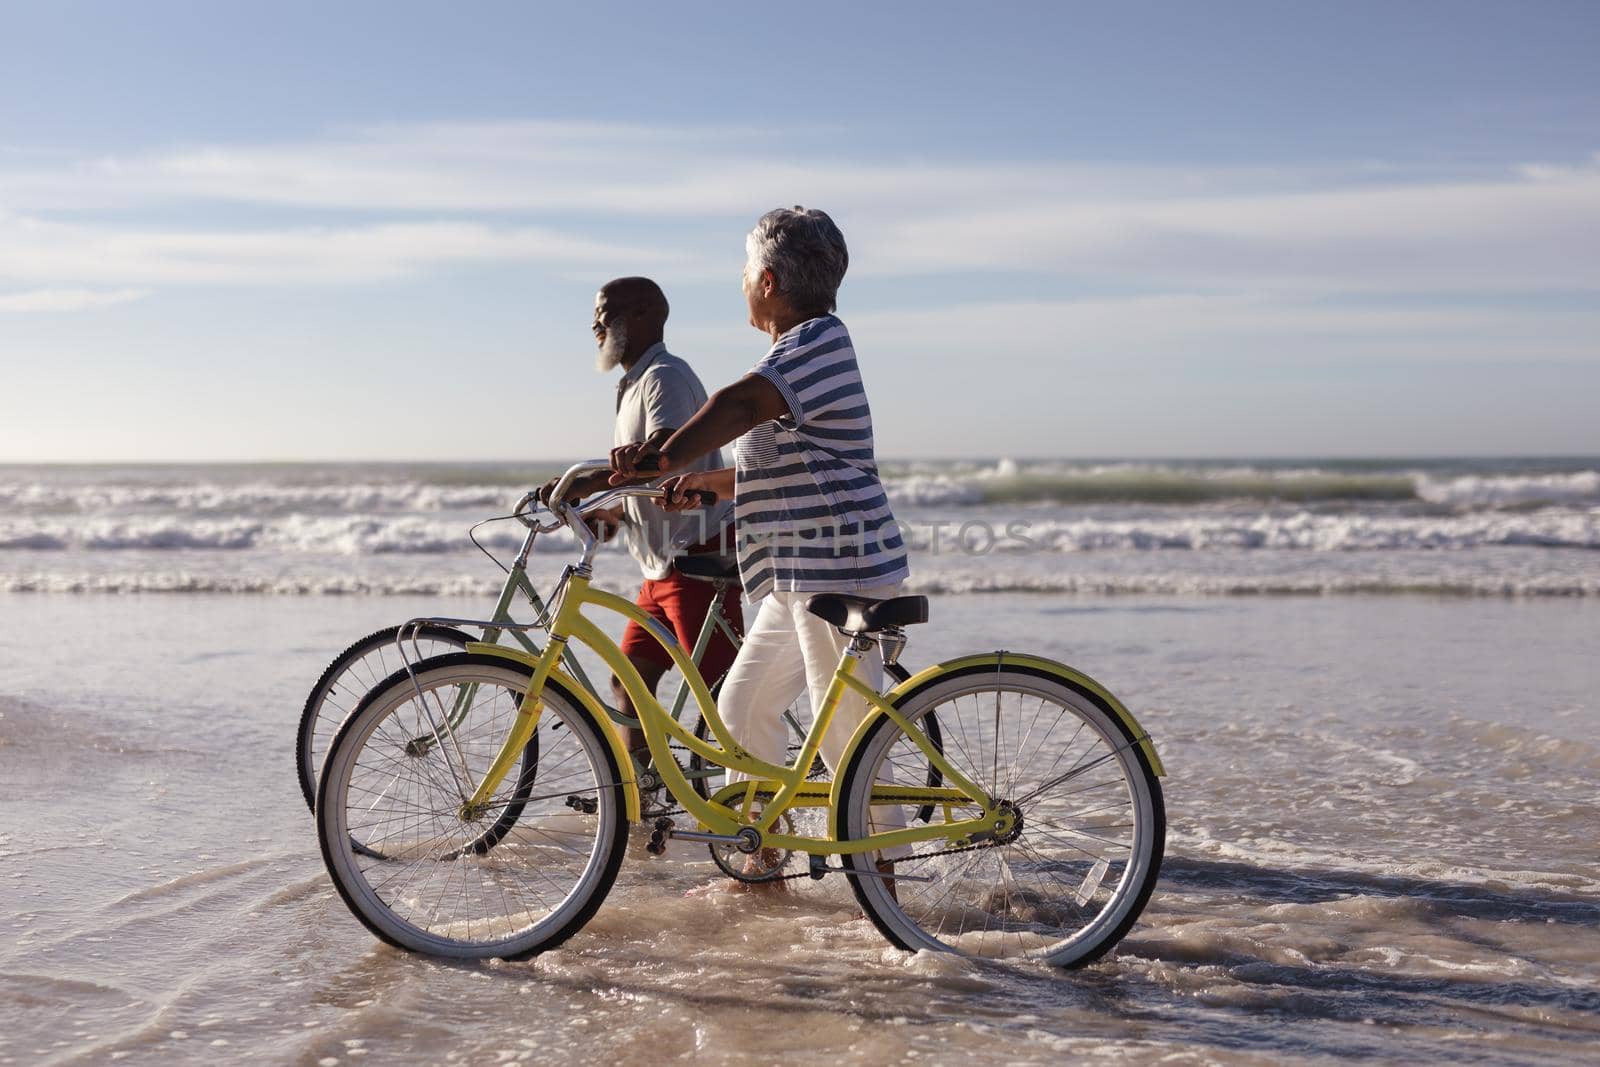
{"x": 1008, "y": 482}
{"x": 1495, "y": 527}
{"x": 362, "y": 535}
{"x": 926, "y": 484}
{"x": 487, "y": 584}
{"x": 254, "y": 498}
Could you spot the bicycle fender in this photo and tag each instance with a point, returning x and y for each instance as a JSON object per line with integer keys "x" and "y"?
{"x": 577, "y": 693}
{"x": 990, "y": 661}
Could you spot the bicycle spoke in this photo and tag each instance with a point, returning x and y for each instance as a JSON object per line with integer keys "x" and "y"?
{"x": 1062, "y": 769}
{"x": 430, "y": 871}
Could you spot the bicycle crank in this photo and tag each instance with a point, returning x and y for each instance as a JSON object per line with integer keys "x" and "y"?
{"x": 747, "y": 840}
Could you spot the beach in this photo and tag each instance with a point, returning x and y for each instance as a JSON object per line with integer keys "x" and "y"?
{"x": 1374, "y": 691}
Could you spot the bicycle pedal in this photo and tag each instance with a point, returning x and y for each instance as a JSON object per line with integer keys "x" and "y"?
{"x": 587, "y": 805}
{"x": 658, "y": 836}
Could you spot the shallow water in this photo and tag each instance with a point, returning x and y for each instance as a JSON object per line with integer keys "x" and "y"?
{"x": 1381, "y": 822}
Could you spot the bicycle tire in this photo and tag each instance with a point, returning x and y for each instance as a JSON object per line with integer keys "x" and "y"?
{"x": 1049, "y": 855}
{"x": 427, "y": 840}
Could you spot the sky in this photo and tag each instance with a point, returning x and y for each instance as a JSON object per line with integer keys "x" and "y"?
{"x": 373, "y": 231}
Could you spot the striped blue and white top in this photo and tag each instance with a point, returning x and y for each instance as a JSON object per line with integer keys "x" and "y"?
{"x": 811, "y": 512}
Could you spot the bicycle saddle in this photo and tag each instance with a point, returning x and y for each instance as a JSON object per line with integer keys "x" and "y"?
{"x": 711, "y": 567}
{"x": 858, "y": 614}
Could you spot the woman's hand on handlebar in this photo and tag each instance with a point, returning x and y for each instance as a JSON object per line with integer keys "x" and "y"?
{"x": 638, "y": 461}
{"x": 686, "y": 492}
{"x": 698, "y": 490}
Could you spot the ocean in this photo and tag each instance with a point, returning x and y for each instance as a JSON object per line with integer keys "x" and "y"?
{"x": 1374, "y": 685}
{"x": 1510, "y": 527}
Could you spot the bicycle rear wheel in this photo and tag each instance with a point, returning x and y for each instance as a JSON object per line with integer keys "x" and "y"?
{"x": 395, "y": 781}
{"x": 1068, "y": 882}
{"x": 352, "y": 674}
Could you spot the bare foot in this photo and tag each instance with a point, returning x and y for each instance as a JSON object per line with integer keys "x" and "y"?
{"x": 767, "y": 861}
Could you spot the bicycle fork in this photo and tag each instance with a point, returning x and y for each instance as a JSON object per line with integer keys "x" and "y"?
{"x": 527, "y": 721}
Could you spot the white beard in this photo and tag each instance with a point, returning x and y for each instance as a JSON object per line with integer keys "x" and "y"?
{"x": 610, "y": 353}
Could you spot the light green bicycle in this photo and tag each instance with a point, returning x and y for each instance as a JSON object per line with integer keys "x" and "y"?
{"x": 1042, "y": 839}
{"x": 371, "y": 659}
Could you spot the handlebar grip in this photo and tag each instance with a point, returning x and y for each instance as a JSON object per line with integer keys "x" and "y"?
{"x": 648, "y": 465}
{"x": 703, "y": 498}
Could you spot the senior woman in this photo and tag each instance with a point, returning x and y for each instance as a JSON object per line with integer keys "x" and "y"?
{"x": 810, "y": 511}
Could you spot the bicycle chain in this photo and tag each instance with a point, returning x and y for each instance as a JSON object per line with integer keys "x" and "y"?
{"x": 907, "y": 859}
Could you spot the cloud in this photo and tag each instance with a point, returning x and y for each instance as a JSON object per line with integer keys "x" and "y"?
{"x": 67, "y": 299}
{"x": 1051, "y": 341}
{"x": 1175, "y": 327}
{"x": 33, "y": 250}
{"x": 409, "y": 198}
{"x": 1514, "y": 234}
{"x": 503, "y": 167}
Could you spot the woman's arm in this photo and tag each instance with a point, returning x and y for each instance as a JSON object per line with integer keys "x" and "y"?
{"x": 730, "y": 412}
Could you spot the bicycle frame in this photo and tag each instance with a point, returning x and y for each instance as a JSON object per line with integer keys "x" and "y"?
{"x": 788, "y": 784}
{"x": 501, "y": 622}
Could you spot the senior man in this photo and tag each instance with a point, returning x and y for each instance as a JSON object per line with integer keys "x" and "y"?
{"x": 657, "y": 395}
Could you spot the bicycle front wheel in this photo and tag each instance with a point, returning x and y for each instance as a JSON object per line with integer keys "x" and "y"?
{"x": 1072, "y": 874}
{"x": 406, "y": 852}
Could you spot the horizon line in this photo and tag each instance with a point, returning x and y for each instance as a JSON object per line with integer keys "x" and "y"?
{"x": 941, "y": 458}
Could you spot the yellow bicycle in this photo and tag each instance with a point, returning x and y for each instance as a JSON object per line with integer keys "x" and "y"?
{"x": 1034, "y": 829}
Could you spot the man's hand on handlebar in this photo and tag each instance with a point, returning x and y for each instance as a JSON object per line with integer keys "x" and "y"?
{"x": 580, "y": 488}
{"x": 546, "y": 489}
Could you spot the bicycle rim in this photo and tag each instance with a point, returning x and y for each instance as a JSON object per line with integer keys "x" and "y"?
{"x": 395, "y": 778}
{"x": 357, "y": 671}
{"x": 1069, "y": 882}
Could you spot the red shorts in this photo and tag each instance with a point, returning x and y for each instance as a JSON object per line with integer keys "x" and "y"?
{"x": 680, "y": 604}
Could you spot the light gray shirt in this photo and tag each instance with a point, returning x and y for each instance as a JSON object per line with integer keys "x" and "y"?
{"x": 662, "y": 391}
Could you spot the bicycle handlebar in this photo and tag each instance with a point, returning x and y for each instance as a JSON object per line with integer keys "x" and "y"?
{"x": 652, "y": 465}
{"x": 600, "y": 503}
{"x": 605, "y": 499}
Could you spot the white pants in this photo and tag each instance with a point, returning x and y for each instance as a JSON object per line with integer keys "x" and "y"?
{"x": 787, "y": 651}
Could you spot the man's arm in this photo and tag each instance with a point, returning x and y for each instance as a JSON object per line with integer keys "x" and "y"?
{"x": 730, "y": 412}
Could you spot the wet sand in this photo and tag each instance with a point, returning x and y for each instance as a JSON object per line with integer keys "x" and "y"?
{"x": 1381, "y": 810}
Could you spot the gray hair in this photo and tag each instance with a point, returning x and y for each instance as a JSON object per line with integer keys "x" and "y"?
{"x": 806, "y": 254}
